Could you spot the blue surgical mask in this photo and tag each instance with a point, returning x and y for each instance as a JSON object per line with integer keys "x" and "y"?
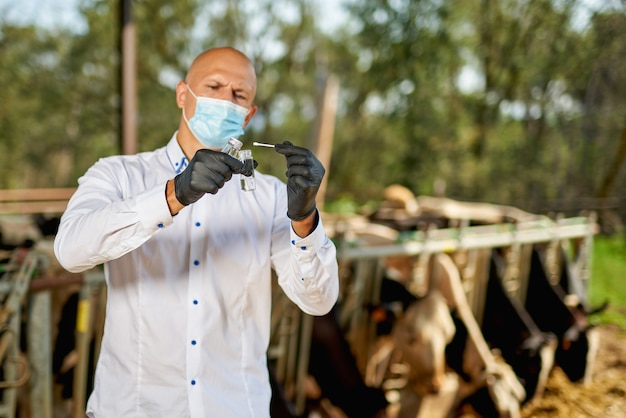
{"x": 215, "y": 121}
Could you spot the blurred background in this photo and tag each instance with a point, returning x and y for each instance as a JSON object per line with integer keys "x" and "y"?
{"x": 511, "y": 101}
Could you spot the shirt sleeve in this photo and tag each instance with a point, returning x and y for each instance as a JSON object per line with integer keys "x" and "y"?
{"x": 307, "y": 267}
{"x": 103, "y": 221}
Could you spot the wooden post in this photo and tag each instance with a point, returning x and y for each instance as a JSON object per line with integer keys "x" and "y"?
{"x": 325, "y": 130}
{"x": 128, "y": 75}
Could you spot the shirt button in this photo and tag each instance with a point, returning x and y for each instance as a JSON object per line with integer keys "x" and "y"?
{"x": 193, "y": 342}
{"x": 160, "y": 225}
{"x": 193, "y": 381}
{"x": 303, "y": 248}
{"x": 197, "y": 223}
{"x": 195, "y": 302}
{"x": 196, "y": 262}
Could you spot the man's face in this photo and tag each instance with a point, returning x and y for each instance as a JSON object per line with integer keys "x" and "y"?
{"x": 225, "y": 75}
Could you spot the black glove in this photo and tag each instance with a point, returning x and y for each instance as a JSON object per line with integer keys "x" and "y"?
{"x": 206, "y": 173}
{"x": 304, "y": 177}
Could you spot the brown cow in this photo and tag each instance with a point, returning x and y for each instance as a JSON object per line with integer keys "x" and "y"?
{"x": 421, "y": 336}
{"x": 414, "y": 355}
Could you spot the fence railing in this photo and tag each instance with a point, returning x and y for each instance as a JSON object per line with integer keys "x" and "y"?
{"x": 31, "y": 201}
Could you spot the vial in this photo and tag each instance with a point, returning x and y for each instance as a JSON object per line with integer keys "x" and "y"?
{"x": 233, "y": 147}
{"x": 247, "y": 182}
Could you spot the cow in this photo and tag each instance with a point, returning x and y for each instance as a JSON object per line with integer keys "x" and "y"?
{"x": 420, "y": 336}
{"x": 409, "y": 366}
{"x": 546, "y": 302}
{"x": 508, "y": 327}
{"x": 487, "y": 384}
{"x": 410, "y": 357}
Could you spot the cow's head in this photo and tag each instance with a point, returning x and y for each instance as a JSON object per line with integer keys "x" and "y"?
{"x": 421, "y": 335}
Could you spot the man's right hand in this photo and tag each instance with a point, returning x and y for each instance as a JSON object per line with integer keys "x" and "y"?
{"x": 207, "y": 172}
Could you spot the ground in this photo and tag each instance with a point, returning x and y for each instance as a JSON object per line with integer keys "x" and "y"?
{"x": 605, "y": 397}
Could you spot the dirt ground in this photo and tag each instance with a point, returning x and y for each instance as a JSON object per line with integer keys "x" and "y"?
{"x": 605, "y": 397}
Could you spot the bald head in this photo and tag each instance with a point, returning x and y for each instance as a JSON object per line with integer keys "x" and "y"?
{"x": 224, "y": 62}
{"x": 222, "y": 73}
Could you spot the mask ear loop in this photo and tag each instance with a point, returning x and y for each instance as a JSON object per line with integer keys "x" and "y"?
{"x": 196, "y": 97}
{"x": 185, "y": 117}
{"x": 191, "y": 91}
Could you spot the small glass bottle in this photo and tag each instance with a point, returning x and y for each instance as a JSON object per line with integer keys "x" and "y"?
{"x": 233, "y": 147}
{"x": 247, "y": 182}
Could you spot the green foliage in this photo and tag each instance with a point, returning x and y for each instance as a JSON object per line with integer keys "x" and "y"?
{"x": 539, "y": 123}
{"x": 162, "y": 31}
{"x": 607, "y": 282}
{"x": 522, "y": 125}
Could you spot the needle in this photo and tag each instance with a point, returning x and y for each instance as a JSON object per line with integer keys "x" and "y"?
{"x": 261, "y": 144}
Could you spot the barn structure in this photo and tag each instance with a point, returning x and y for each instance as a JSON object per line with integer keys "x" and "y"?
{"x": 513, "y": 287}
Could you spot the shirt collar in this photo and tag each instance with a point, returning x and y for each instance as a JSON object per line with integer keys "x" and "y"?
{"x": 175, "y": 154}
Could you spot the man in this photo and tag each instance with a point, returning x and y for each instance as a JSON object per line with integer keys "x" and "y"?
{"x": 188, "y": 257}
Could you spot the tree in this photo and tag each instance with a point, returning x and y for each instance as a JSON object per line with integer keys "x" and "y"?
{"x": 540, "y": 124}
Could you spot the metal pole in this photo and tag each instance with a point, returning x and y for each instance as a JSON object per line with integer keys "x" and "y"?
{"x": 40, "y": 354}
{"x": 128, "y": 75}
{"x": 84, "y": 329}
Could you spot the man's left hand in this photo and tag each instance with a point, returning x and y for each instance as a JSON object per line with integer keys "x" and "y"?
{"x": 304, "y": 177}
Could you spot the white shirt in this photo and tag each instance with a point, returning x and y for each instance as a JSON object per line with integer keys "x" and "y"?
{"x": 188, "y": 297}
